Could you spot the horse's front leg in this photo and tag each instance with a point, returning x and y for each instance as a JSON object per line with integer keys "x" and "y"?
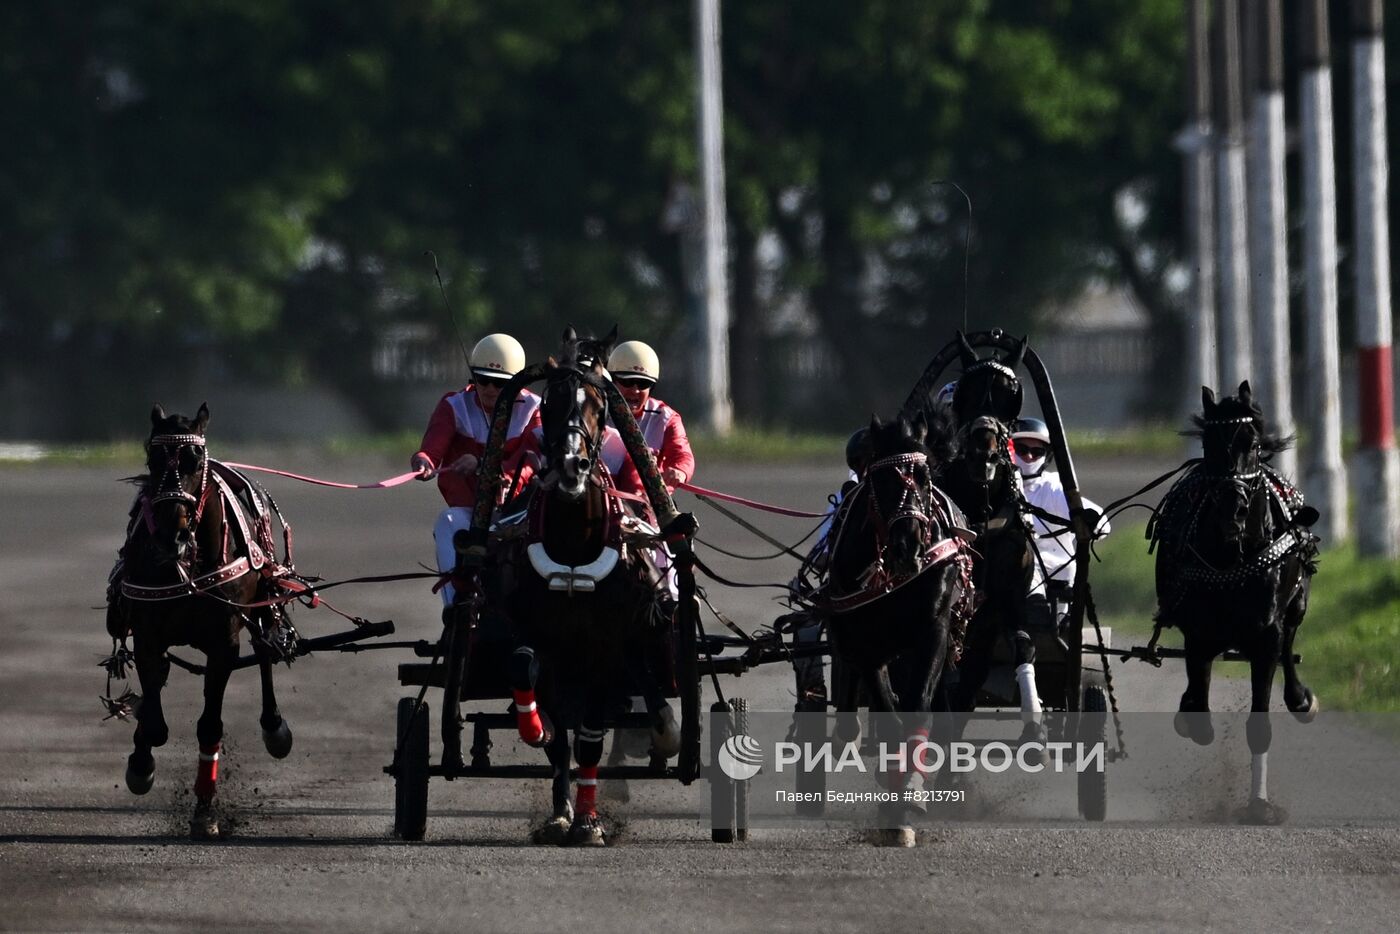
{"x": 1297, "y": 696}
{"x": 1193, "y": 720}
{"x": 587, "y": 827}
{"x": 152, "y": 670}
{"x": 1263, "y": 662}
{"x": 204, "y": 825}
{"x": 277, "y": 736}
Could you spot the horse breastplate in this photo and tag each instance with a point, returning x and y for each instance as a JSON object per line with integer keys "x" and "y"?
{"x": 1175, "y": 526}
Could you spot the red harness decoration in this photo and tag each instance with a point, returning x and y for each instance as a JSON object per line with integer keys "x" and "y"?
{"x": 878, "y": 581}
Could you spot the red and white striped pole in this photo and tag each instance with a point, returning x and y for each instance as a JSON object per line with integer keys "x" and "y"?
{"x": 1377, "y": 471}
{"x": 1324, "y": 474}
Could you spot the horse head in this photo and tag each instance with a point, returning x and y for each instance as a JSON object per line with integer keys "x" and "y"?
{"x": 900, "y": 479}
{"x": 573, "y": 413}
{"x": 176, "y": 485}
{"x": 1234, "y": 443}
{"x": 988, "y": 387}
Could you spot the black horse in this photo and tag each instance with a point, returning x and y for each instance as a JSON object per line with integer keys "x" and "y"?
{"x": 985, "y": 485}
{"x": 582, "y": 604}
{"x": 899, "y": 585}
{"x": 187, "y": 572}
{"x": 1234, "y": 563}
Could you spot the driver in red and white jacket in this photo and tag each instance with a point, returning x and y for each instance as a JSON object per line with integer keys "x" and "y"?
{"x": 635, "y": 369}
{"x": 456, "y": 437}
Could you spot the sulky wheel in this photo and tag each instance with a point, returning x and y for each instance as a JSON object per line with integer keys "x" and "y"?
{"x": 411, "y": 771}
{"x": 1093, "y": 728}
{"x": 722, "y": 792}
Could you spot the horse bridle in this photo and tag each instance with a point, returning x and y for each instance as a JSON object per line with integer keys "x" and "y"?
{"x": 1000, "y": 432}
{"x": 1246, "y": 484}
{"x": 170, "y": 485}
{"x": 574, "y": 423}
{"x": 915, "y": 500}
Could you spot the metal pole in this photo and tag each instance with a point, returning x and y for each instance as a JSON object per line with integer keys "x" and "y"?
{"x": 1233, "y": 245}
{"x": 714, "y": 339}
{"x": 1268, "y": 247}
{"x": 1377, "y": 469}
{"x": 1194, "y": 144}
{"x": 1324, "y": 476}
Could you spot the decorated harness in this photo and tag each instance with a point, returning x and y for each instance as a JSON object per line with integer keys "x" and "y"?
{"x": 246, "y": 538}
{"x": 938, "y": 517}
{"x": 1178, "y": 518}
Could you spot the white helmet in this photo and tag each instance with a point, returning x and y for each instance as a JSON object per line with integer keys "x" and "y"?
{"x": 497, "y": 356}
{"x": 634, "y": 360}
{"x": 1029, "y": 429}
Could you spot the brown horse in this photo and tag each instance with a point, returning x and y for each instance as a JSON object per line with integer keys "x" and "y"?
{"x": 583, "y": 603}
{"x": 188, "y": 571}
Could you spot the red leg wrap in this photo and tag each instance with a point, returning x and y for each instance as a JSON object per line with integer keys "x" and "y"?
{"x": 207, "y": 775}
{"x": 587, "y": 802}
{"x": 527, "y": 717}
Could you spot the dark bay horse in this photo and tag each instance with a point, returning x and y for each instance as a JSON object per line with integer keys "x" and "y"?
{"x": 186, "y": 571}
{"x": 582, "y": 603}
{"x": 1235, "y": 559}
{"x": 986, "y": 486}
{"x": 899, "y": 586}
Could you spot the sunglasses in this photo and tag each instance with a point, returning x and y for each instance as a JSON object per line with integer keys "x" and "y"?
{"x": 1031, "y": 452}
{"x": 632, "y": 382}
{"x": 482, "y": 383}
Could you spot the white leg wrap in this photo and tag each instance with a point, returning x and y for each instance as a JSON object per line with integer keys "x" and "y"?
{"x": 1259, "y": 776}
{"x": 1025, "y": 680}
{"x": 452, "y": 520}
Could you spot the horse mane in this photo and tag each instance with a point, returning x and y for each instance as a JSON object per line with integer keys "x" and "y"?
{"x": 941, "y": 442}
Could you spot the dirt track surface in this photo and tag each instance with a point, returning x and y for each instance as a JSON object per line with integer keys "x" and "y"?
{"x": 311, "y": 845}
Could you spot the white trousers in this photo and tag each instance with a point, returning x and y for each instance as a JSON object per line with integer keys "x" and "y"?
{"x": 452, "y": 520}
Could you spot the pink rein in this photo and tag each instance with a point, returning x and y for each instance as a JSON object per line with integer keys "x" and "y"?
{"x": 381, "y": 485}
{"x": 413, "y": 475}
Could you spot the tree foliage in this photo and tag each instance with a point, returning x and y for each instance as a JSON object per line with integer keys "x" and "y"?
{"x": 263, "y": 178}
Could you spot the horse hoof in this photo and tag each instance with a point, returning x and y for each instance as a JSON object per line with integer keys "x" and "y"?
{"x": 586, "y": 830}
{"x": 204, "y": 825}
{"x": 1196, "y": 727}
{"x": 665, "y": 735}
{"x": 1309, "y": 712}
{"x": 617, "y": 790}
{"x": 900, "y": 837}
{"x": 1262, "y": 813}
{"x": 1033, "y": 734}
{"x": 635, "y": 744}
{"x": 554, "y": 832}
{"x": 279, "y": 740}
{"x": 546, "y": 736}
{"x": 140, "y": 776}
{"x": 848, "y": 730}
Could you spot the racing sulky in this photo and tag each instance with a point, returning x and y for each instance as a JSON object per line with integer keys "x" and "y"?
{"x": 986, "y": 486}
{"x": 1235, "y": 558}
{"x": 584, "y": 601}
{"x": 198, "y": 555}
{"x": 899, "y": 589}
